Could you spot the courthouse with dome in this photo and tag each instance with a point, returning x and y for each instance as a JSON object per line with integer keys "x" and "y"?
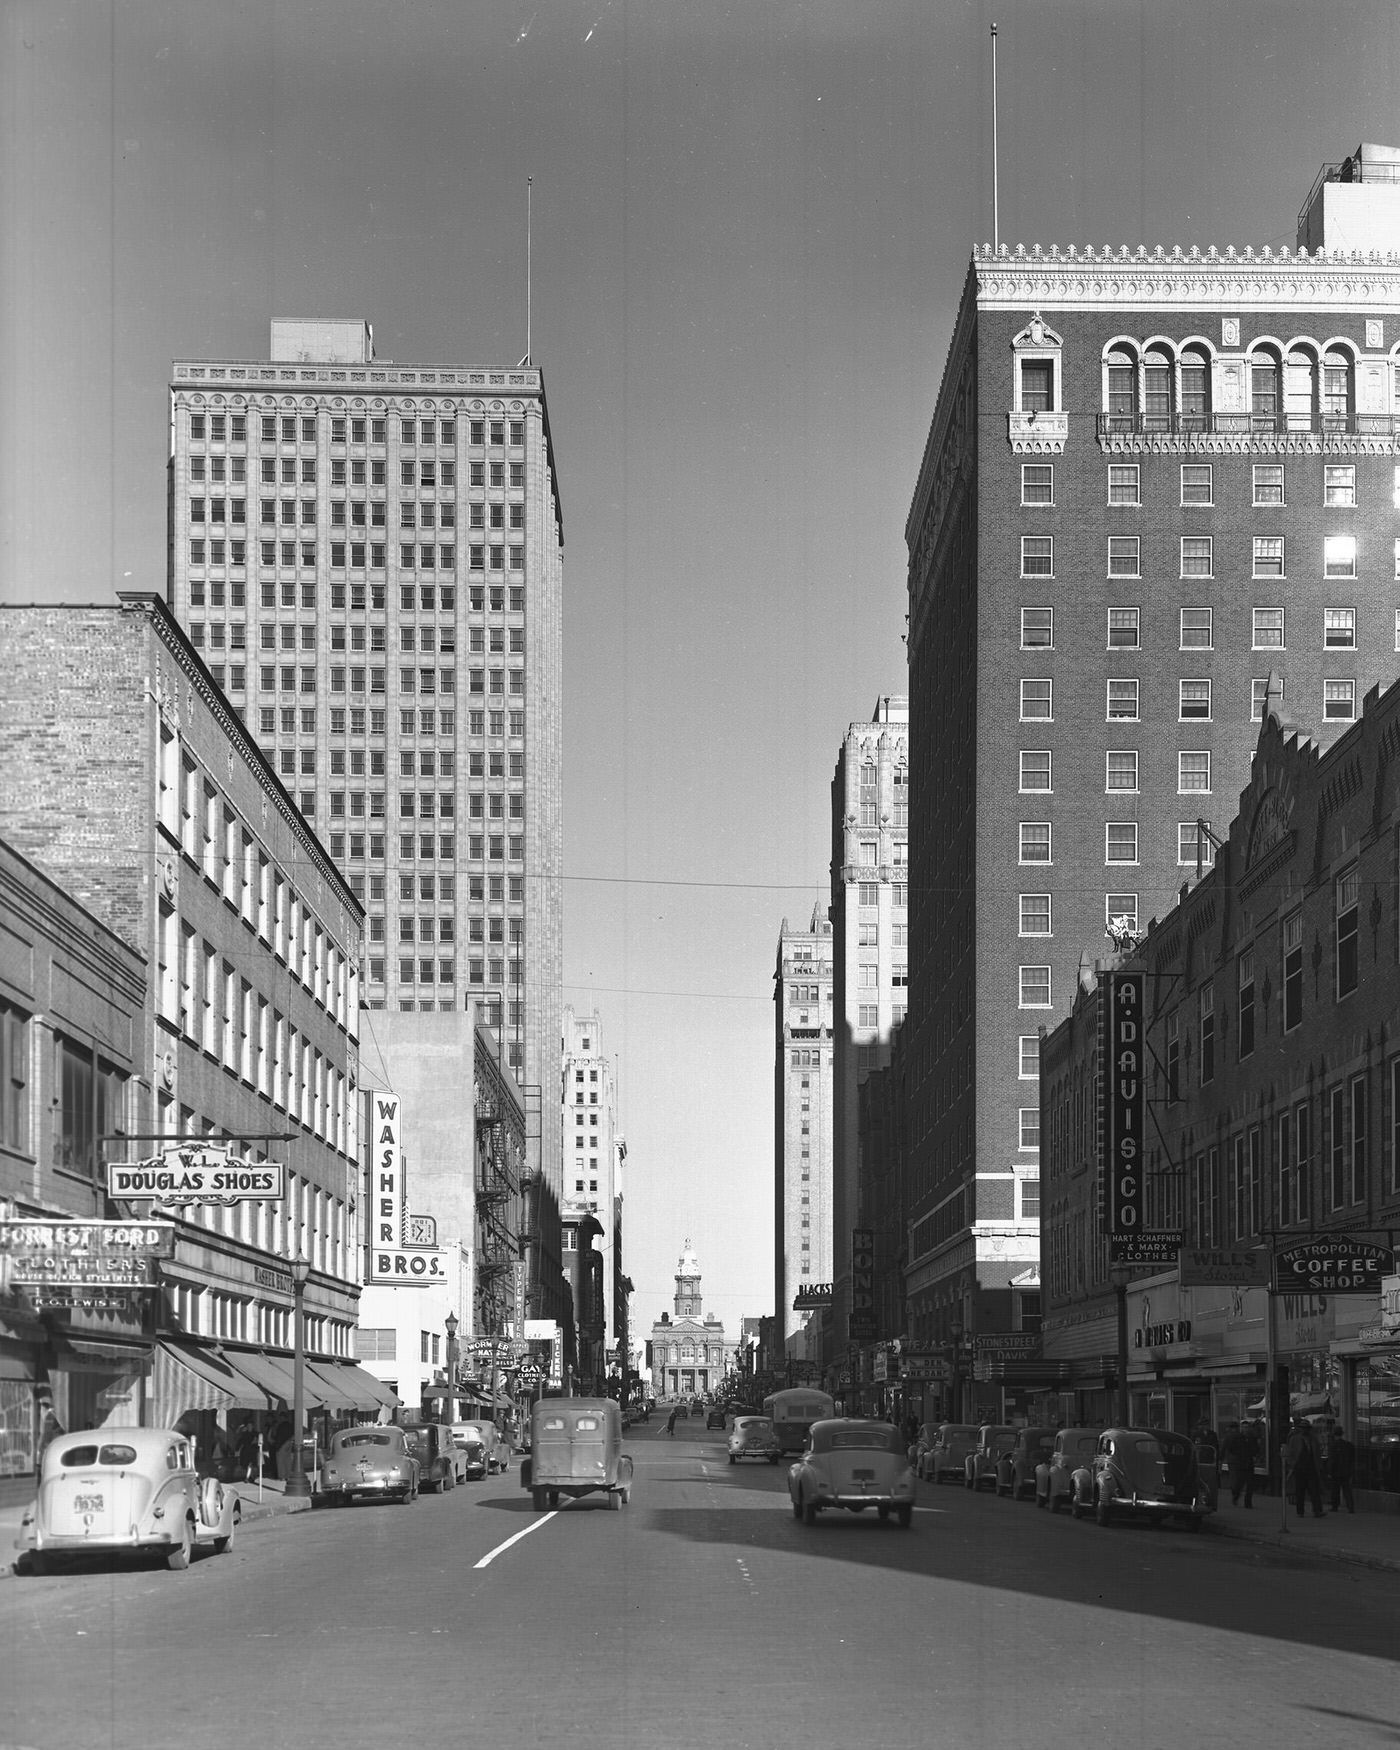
{"x": 689, "y": 1352}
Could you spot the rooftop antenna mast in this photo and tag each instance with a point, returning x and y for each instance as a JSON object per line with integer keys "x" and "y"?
{"x": 529, "y": 243}
{"x": 996, "y": 210}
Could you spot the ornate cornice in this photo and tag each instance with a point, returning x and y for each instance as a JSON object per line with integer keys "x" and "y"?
{"x": 1269, "y": 279}
{"x": 1245, "y": 443}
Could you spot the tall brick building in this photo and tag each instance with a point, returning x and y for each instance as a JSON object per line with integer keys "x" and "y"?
{"x": 1152, "y": 477}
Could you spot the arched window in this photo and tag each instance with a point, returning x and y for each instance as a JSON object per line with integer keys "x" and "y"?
{"x": 1264, "y": 391}
{"x": 1298, "y": 391}
{"x": 1336, "y": 391}
{"x": 1157, "y": 392}
{"x": 1195, "y": 392}
{"x": 1122, "y": 388}
{"x": 868, "y": 794}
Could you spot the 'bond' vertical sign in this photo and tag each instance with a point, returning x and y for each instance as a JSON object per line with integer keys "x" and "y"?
{"x": 1125, "y": 1105}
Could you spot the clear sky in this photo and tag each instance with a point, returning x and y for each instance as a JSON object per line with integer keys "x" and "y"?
{"x": 752, "y": 222}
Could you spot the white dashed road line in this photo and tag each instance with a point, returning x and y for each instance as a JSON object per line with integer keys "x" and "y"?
{"x": 500, "y": 1548}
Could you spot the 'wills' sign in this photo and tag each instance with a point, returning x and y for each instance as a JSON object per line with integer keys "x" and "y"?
{"x": 1125, "y": 1105}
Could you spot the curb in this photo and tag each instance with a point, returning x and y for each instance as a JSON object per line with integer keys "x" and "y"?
{"x": 1326, "y": 1552}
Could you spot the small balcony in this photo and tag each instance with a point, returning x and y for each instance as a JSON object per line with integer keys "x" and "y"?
{"x": 1037, "y": 434}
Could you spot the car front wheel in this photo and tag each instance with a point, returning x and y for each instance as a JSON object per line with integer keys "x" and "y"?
{"x": 796, "y": 1508}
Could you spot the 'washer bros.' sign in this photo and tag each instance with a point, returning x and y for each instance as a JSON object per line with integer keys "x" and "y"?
{"x": 390, "y": 1260}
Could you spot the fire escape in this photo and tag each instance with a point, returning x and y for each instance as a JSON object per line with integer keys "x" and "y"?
{"x": 497, "y": 1194}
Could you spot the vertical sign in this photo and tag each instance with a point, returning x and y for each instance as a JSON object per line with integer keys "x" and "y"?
{"x": 1125, "y": 1103}
{"x": 386, "y": 1170}
{"x": 862, "y": 1326}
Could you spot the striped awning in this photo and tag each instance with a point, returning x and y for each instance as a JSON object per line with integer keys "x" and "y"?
{"x": 274, "y": 1373}
{"x": 359, "y": 1385}
{"x": 191, "y": 1378}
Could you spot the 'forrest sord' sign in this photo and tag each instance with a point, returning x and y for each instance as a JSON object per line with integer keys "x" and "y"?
{"x": 1124, "y": 1103}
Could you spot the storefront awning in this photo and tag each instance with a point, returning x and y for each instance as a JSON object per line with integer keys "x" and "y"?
{"x": 350, "y": 1388}
{"x": 274, "y": 1374}
{"x": 194, "y": 1378}
{"x": 78, "y": 1355}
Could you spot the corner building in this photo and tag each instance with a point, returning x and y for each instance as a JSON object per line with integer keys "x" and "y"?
{"x": 1152, "y": 478}
{"x": 369, "y": 558}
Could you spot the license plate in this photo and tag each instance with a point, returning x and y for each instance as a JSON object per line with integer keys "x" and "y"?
{"x": 864, "y": 1476}
{"x": 87, "y": 1503}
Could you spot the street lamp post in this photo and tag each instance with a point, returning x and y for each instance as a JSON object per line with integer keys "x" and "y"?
{"x": 449, "y": 1402}
{"x": 1118, "y": 1275}
{"x": 297, "y": 1483}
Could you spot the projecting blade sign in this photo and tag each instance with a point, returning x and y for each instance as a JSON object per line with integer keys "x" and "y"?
{"x": 1125, "y": 1104}
{"x": 390, "y": 1260}
{"x": 197, "y": 1172}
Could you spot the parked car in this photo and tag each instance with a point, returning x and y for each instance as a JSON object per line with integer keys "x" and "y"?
{"x": 576, "y": 1449}
{"x": 125, "y": 1489}
{"x": 1071, "y": 1456}
{"x": 853, "y": 1465}
{"x": 715, "y": 1418}
{"x": 432, "y": 1445}
{"x": 948, "y": 1455}
{"x": 754, "y": 1437}
{"x": 376, "y": 1462}
{"x": 1016, "y": 1468}
{"x": 1146, "y": 1471}
{"x": 479, "y": 1450}
{"x": 993, "y": 1439}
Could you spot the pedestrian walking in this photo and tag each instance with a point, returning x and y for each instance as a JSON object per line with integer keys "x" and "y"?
{"x": 671, "y": 1424}
{"x": 1301, "y": 1468}
{"x": 1241, "y": 1456}
{"x": 1341, "y": 1468}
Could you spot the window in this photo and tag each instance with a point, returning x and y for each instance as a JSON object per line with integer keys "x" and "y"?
{"x": 1035, "y": 769}
{"x": 1120, "y": 841}
{"x": 1123, "y": 556}
{"x": 1193, "y": 699}
{"x": 1037, "y": 556}
{"x": 1037, "y": 386}
{"x": 1192, "y": 772}
{"x": 1123, "y": 484}
{"x": 1339, "y": 628}
{"x": 1336, "y": 391}
{"x": 1156, "y": 392}
{"x": 1292, "y": 1165}
{"x": 1035, "y": 841}
{"x": 1346, "y": 894}
{"x": 1195, "y": 395}
{"x": 1196, "y": 631}
{"x": 1197, "y": 486}
{"x": 1120, "y": 911}
{"x": 1037, "y": 483}
{"x": 1173, "y": 1053}
{"x": 1029, "y": 1057}
{"x": 1244, "y": 1033}
{"x": 1292, "y": 971}
{"x": 1339, "y": 555}
{"x": 1121, "y": 769}
{"x": 1205, "y": 1198}
{"x": 1268, "y": 483}
{"x": 1246, "y": 1184}
{"x": 1339, "y": 699}
{"x": 1268, "y": 556}
{"x": 14, "y": 1080}
{"x": 1192, "y": 845}
{"x": 1205, "y": 1006}
{"x": 1121, "y": 369}
{"x": 1339, "y": 484}
{"x": 1037, "y": 628}
{"x": 1123, "y": 700}
{"x": 1029, "y": 1128}
{"x": 1036, "y": 700}
{"x": 1123, "y": 629}
{"x": 1035, "y": 987}
{"x": 1264, "y": 391}
{"x": 1035, "y": 914}
{"x": 1196, "y": 556}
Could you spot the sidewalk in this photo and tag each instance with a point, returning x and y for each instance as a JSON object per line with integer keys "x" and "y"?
{"x": 273, "y": 1504}
{"x": 1371, "y": 1538}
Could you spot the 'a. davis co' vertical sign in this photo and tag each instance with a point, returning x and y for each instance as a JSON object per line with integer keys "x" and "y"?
{"x": 1124, "y": 1103}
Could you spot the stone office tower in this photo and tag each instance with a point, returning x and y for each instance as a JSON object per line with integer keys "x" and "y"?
{"x": 369, "y": 556}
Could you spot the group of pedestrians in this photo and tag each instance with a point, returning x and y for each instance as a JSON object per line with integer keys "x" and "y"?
{"x": 1306, "y": 1466}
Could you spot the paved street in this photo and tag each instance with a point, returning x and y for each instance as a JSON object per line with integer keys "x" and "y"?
{"x": 703, "y": 1613}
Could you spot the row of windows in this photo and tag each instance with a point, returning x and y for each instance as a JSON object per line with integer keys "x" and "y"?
{"x": 221, "y": 428}
{"x": 293, "y": 511}
{"x": 423, "y": 475}
{"x": 359, "y": 846}
{"x": 1197, "y": 484}
{"x": 1120, "y": 842}
{"x": 1038, "y": 698}
{"x": 358, "y": 555}
{"x": 1197, "y": 556}
{"x": 288, "y": 718}
{"x": 413, "y": 597}
{"x": 425, "y": 889}
{"x": 1124, "y": 628}
{"x": 1120, "y": 770}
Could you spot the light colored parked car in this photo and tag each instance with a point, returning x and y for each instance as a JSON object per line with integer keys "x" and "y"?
{"x": 125, "y": 1489}
{"x": 374, "y": 1462}
{"x": 1016, "y": 1468}
{"x": 853, "y": 1465}
{"x": 993, "y": 1440}
{"x": 1067, "y": 1467}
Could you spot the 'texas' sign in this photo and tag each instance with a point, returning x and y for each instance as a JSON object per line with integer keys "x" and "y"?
{"x": 390, "y": 1260}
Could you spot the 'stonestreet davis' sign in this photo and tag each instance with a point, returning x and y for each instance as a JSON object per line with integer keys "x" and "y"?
{"x": 117, "y": 1254}
{"x": 1124, "y": 1103}
{"x": 197, "y": 1173}
{"x": 1334, "y": 1266}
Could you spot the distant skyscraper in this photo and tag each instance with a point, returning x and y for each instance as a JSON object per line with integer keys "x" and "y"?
{"x": 802, "y": 1072}
{"x": 592, "y": 1170}
{"x": 369, "y": 557}
{"x": 870, "y": 928}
